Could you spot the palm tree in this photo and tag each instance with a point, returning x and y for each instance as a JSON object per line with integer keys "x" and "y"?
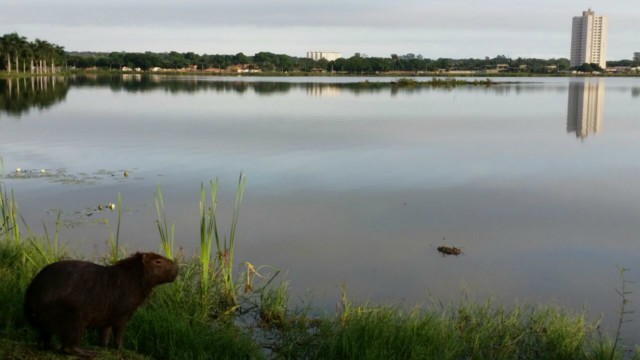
{"x": 27, "y": 55}
{"x": 6, "y": 47}
{"x": 57, "y": 52}
{"x": 1, "y": 46}
{"x": 13, "y": 45}
{"x": 21, "y": 46}
{"x": 42, "y": 49}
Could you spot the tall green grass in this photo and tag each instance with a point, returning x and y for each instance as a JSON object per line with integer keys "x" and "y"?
{"x": 114, "y": 240}
{"x": 166, "y": 237}
{"x": 220, "y": 274}
{"x": 9, "y": 227}
{"x": 468, "y": 330}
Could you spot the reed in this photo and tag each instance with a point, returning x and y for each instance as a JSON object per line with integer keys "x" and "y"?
{"x": 221, "y": 270}
{"x": 623, "y": 313}
{"x": 166, "y": 237}
{"x": 208, "y": 229}
{"x": 45, "y": 251}
{"x": 225, "y": 253}
{"x": 274, "y": 305}
{"x": 9, "y": 227}
{"x": 114, "y": 240}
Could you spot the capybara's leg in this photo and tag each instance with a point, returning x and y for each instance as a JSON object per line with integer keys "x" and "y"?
{"x": 79, "y": 352}
{"x": 44, "y": 339}
{"x": 105, "y": 334}
{"x": 71, "y": 333}
{"x": 118, "y": 333}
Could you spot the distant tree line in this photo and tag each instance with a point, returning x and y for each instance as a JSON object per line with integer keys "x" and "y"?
{"x": 22, "y": 56}
{"x": 38, "y": 56}
{"x": 357, "y": 64}
{"x": 270, "y": 62}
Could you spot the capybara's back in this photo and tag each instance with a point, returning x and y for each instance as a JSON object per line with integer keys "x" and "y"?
{"x": 67, "y": 297}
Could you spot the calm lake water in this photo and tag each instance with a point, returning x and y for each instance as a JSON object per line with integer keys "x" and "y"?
{"x": 536, "y": 181}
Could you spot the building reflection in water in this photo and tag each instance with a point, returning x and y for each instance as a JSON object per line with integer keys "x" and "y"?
{"x": 585, "y": 107}
{"x": 323, "y": 90}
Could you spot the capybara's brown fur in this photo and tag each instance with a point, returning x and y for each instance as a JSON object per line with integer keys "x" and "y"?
{"x": 69, "y": 296}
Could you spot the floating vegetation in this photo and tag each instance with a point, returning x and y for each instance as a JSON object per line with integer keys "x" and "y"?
{"x": 63, "y": 177}
{"x": 89, "y": 215}
{"x": 449, "y": 250}
{"x": 440, "y": 82}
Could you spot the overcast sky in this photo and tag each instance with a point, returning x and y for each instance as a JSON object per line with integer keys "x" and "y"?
{"x": 447, "y": 28}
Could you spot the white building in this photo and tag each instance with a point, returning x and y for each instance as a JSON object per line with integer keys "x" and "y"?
{"x": 329, "y": 55}
{"x": 589, "y": 39}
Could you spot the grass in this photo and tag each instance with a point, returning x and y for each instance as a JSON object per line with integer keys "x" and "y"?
{"x": 205, "y": 314}
{"x": 467, "y": 331}
{"x": 166, "y": 238}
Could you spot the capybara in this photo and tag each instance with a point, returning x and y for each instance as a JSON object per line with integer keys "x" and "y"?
{"x": 67, "y": 297}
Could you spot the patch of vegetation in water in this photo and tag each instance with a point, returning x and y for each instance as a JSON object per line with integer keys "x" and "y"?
{"x": 412, "y": 84}
{"x": 61, "y": 176}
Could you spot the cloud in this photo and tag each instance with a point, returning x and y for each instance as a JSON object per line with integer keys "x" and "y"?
{"x": 456, "y": 28}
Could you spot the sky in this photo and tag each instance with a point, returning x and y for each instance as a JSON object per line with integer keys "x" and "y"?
{"x": 433, "y": 29}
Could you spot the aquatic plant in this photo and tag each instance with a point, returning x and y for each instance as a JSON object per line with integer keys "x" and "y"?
{"x": 166, "y": 237}
{"x": 208, "y": 229}
{"x": 622, "y": 312}
{"x": 274, "y": 304}
{"x": 9, "y": 227}
{"x": 114, "y": 240}
{"x": 223, "y": 260}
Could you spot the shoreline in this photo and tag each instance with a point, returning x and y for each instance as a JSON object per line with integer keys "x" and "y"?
{"x": 5, "y": 75}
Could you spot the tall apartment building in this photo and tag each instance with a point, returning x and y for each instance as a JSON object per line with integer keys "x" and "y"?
{"x": 329, "y": 55}
{"x": 636, "y": 56}
{"x": 589, "y": 39}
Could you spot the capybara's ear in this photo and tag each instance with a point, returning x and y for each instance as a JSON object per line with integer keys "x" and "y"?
{"x": 145, "y": 258}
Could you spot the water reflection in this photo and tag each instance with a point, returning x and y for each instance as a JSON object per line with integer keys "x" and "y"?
{"x": 585, "y": 107}
{"x": 323, "y": 90}
{"x": 333, "y": 176}
{"x": 18, "y": 96}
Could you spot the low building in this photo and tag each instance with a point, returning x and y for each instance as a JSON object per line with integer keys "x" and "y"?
{"x": 490, "y": 69}
{"x": 622, "y": 69}
{"x": 212, "y": 70}
{"x": 243, "y": 69}
{"x": 327, "y": 55}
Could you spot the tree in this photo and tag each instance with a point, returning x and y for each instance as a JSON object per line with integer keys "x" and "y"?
{"x": 13, "y": 45}
{"x": 43, "y": 51}
{"x": 240, "y": 58}
{"x": 265, "y": 60}
{"x": 589, "y": 68}
{"x": 284, "y": 63}
{"x": 2, "y": 47}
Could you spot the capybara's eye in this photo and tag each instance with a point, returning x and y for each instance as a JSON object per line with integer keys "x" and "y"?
{"x": 158, "y": 261}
